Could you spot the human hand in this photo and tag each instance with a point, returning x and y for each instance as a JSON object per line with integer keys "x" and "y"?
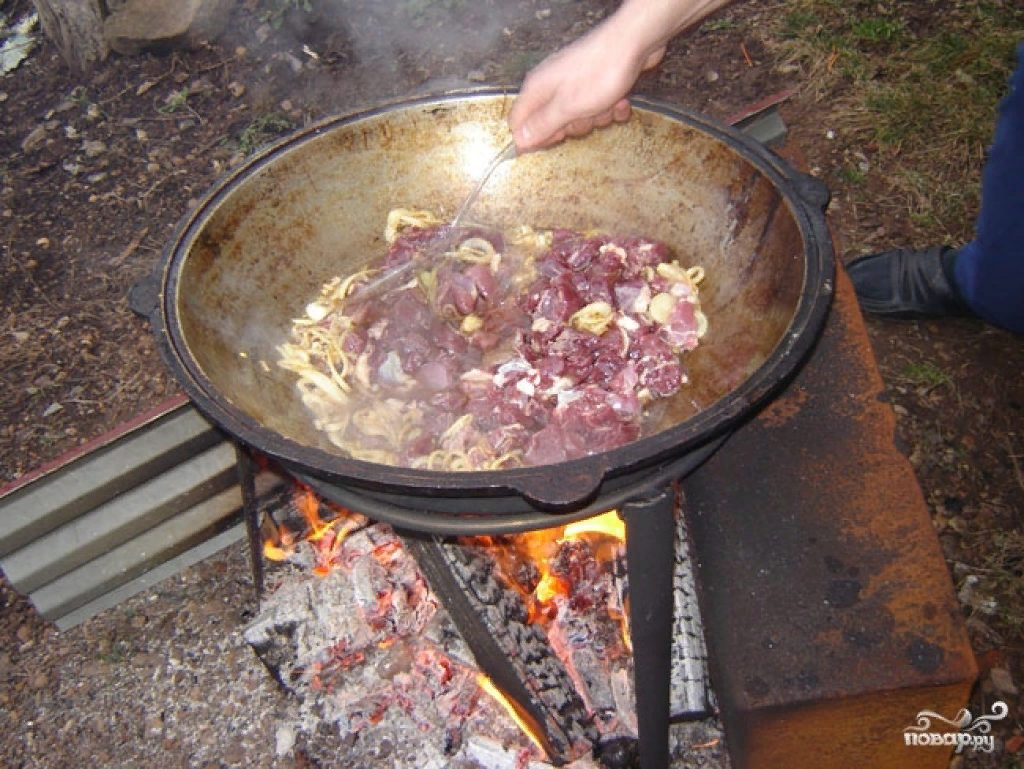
{"x": 579, "y": 88}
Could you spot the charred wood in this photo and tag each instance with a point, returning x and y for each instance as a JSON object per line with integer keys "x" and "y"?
{"x": 690, "y": 693}
{"x": 513, "y": 653}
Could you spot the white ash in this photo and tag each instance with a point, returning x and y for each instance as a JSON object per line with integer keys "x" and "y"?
{"x": 392, "y": 683}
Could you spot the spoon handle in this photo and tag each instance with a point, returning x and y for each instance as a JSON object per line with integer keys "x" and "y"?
{"x": 508, "y": 152}
{"x": 436, "y": 248}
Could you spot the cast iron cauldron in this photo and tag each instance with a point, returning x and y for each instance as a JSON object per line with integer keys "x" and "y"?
{"x": 260, "y": 245}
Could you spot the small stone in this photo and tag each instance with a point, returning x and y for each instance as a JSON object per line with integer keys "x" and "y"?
{"x": 52, "y": 409}
{"x": 187, "y": 123}
{"x": 72, "y": 168}
{"x": 71, "y": 132}
{"x": 141, "y": 135}
{"x": 240, "y": 51}
{"x": 153, "y": 725}
{"x": 97, "y": 178}
{"x": 93, "y": 669}
{"x": 284, "y": 740}
{"x": 152, "y": 168}
{"x": 711, "y": 76}
{"x": 291, "y": 60}
{"x": 24, "y": 633}
{"x": 476, "y": 76}
{"x": 34, "y": 140}
{"x": 1003, "y": 681}
{"x": 237, "y": 89}
{"x": 542, "y": 14}
{"x": 93, "y": 112}
{"x": 3, "y": 96}
{"x": 94, "y": 148}
{"x": 200, "y": 85}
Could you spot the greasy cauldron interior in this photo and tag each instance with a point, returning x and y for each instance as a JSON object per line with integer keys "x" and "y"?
{"x": 259, "y": 249}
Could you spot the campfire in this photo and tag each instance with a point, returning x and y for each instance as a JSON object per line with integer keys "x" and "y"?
{"x": 378, "y": 653}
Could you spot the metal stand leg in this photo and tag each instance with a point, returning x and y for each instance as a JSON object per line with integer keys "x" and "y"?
{"x": 250, "y": 511}
{"x": 650, "y": 541}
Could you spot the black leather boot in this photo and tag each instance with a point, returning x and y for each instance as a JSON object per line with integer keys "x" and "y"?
{"x": 909, "y": 285}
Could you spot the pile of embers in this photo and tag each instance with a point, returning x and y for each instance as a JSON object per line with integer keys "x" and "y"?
{"x": 351, "y": 626}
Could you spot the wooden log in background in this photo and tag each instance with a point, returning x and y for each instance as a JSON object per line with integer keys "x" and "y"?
{"x": 76, "y": 28}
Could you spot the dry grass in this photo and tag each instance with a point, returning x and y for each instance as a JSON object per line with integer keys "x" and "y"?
{"x": 920, "y": 92}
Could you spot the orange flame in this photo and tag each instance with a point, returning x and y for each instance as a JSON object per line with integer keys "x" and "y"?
{"x": 523, "y": 720}
{"x": 309, "y": 505}
{"x": 550, "y": 586}
{"x": 325, "y": 536}
{"x": 609, "y": 524}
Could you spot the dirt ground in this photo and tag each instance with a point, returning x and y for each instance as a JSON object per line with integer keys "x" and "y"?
{"x": 94, "y": 174}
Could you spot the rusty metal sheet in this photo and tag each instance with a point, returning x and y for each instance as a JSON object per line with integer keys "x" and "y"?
{"x": 829, "y": 610}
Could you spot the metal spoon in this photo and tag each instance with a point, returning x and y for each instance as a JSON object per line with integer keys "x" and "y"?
{"x": 437, "y": 248}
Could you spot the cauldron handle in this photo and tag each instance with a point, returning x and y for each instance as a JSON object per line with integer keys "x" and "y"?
{"x": 812, "y": 190}
{"x": 554, "y": 491}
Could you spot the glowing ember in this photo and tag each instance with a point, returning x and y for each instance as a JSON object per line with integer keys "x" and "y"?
{"x": 566, "y": 575}
{"x": 523, "y": 720}
{"x": 704, "y": 745}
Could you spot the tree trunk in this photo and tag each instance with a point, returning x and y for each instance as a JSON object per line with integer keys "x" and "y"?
{"x": 76, "y": 28}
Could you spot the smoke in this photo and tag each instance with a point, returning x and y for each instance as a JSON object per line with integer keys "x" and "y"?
{"x": 346, "y": 54}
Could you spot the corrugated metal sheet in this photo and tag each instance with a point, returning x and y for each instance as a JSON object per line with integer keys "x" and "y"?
{"x": 138, "y": 505}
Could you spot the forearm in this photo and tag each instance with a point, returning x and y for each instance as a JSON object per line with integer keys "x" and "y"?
{"x": 650, "y": 24}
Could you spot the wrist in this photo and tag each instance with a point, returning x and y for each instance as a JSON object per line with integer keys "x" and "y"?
{"x": 637, "y": 32}
{"x": 646, "y": 26}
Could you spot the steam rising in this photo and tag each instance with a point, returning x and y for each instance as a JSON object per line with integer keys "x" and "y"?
{"x": 345, "y": 54}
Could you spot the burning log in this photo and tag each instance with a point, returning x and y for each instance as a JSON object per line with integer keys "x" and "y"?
{"x": 495, "y": 623}
{"x": 375, "y": 662}
{"x": 380, "y": 635}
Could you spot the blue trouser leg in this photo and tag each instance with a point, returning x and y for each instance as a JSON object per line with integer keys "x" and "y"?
{"x": 990, "y": 269}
